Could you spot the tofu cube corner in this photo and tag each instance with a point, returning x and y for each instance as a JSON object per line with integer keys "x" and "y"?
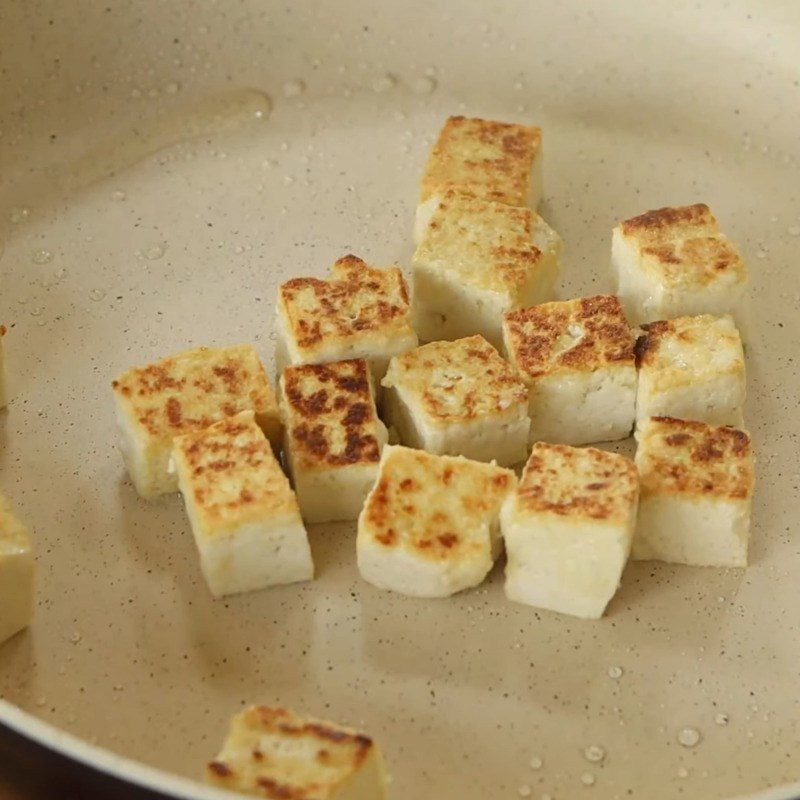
{"x": 183, "y": 393}
{"x": 458, "y": 398}
{"x": 697, "y": 493}
{"x": 577, "y": 359}
{"x": 691, "y": 368}
{"x": 674, "y": 262}
{"x": 244, "y": 515}
{"x": 273, "y": 752}
{"x": 486, "y": 159}
{"x": 17, "y": 573}
{"x": 430, "y": 526}
{"x": 333, "y": 437}
{"x": 568, "y": 529}
{"x": 476, "y": 260}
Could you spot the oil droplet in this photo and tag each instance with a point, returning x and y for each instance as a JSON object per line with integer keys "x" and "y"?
{"x": 75, "y": 638}
{"x": 683, "y": 772}
{"x": 41, "y": 323}
{"x": 97, "y": 295}
{"x": 688, "y": 737}
{"x": 20, "y": 214}
{"x": 61, "y": 273}
{"x": 118, "y": 195}
{"x": 384, "y": 83}
{"x": 155, "y": 252}
{"x": 42, "y": 257}
{"x": 524, "y": 790}
{"x": 594, "y": 753}
{"x": 238, "y": 249}
{"x": 587, "y": 779}
{"x": 424, "y": 85}
{"x": 36, "y": 311}
{"x": 615, "y": 673}
{"x": 293, "y": 88}
{"x": 722, "y": 718}
{"x": 536, "y": 762}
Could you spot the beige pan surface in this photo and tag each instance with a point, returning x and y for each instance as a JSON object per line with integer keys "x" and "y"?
{"x": 254, "y": 141}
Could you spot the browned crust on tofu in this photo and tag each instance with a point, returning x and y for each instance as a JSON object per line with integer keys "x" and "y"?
{"x": 331, "y": 417}
{"x": 539, "y": 337}
{"x": 424, "y": 503}
{"x": 482, "y": 158}
{"x": 578, "y": 482}
{"x": 647, "y": 344}
{"x": 685, "y": 457}
{"x": 359, "y": 300}
{"x": 661, "y": 219}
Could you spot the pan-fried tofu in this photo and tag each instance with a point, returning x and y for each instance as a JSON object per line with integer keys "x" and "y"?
{"x": 244, "y": 514}
{"x": 17, "y": 569}
{"x": 674, "y": 262}
{"x": 184, "y": 393}
{"x": 568, "y": 529}
{"x": 360, "y": 312}
{"x": 697, "y": 493}
{"x": 333, "y": 437}
{"x": 478, "y": 259}
{"x": 458, "y": 398}
{"x": 274, "y": 753}
{"x": 691, "y": 368}
{"x": 430, "y": 526}
{"x": 3, "y": 386}
{"x": 497, "y": 161}
{"x": 577, "y": 359}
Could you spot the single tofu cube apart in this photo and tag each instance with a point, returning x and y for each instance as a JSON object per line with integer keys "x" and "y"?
{"x": 697, "y": 493}
{"x": 17, "y": 569}
{"x": 271, "y": 752}
{"x": 458, "y": 398}
{"x": 577, "y": 359}
{"x": 244, "y": 514}
{"x": 691, "y": 368}
{"x": 568, "y": 529}
{"x": 3, "y": 381}
{"x": 430, "y": 526}
{"x": 333, "y": 438}
{"x": 360, "y": 312}
{"x": 674, "y": 262}
{"x": 184, "y": 393}
{"x": 498, "y": 161}
{"x": 477, "y": 260}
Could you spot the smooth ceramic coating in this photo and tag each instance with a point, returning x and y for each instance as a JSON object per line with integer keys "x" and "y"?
{"x": 256, "y": 141}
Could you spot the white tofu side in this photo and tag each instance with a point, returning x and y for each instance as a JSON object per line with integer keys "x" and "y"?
{"x": 423, "y": 216}
{"x": 583, "y": 407}
{"x": 705, "y": 532}
{"x": 572, "y": 566}
{"x": 17, "y": 574}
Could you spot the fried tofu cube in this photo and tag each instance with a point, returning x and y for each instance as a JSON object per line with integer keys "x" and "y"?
{"x": 568, "y": 529}
{"x": 674, "y": 262}
{"x": 244, "y": 515}
{"x": 17, "y": 572}
{"x": 478, "y": 259}
{"x": 3, "y": 382}
{"x": 360, "y": 312}
{"x": 498, "y": 161}
{"x": 272, "y": 752}
{"x": 691, "y": 368}
{"x": 184, "y": 393}
{"x": 577, "y": 359}
{"x": 458, "y": 398}
{"x": 697, "y": 493}
{"x": 333, "y": 438}
{"x": 430, "y": 526}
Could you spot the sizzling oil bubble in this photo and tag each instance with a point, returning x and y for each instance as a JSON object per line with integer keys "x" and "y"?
{"x": 118, "y": 195}
{"x": 293, "y": 88}
{"x": 683, "y": 772}
{"x": 42, "y": 257}
{"x": 594, "y": 753}
{"x": 536, "y": 762}
{"x": 587, "y": 779}
{"x": 155, "y": 252}
{"x": 424, "y": 85}
{"x": 384, "y": 83}
{"x": 97, "y": 295}
{"x": 36, "y": 311}
{"x": 722, "y": 718}
{"x": 615, "y": 673}
{"x": 19, "y": 214}
{"x": 688, "y": 737}
{"x": 524, "y": 790}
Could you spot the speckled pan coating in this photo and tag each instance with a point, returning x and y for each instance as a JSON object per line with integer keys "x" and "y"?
{"x": 642, "y": 105}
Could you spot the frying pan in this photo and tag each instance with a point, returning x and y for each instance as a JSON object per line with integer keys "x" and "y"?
{"x": 164, "y": 166}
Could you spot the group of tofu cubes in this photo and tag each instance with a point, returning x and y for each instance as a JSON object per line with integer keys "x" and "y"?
{"x": 506, "y": 374}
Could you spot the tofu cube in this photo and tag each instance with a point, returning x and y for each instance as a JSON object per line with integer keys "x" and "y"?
{"x": 498, "y": 161}
{"x": 697, "y": 493}
{"x": 477, "y": 260}
{"x": 691, "y": 368}
{"x": 184, "y": 393}
{"x": 458, "y": 398}
{"x": 333, "y": 438}
{"x": 568, "y": 529}
{"x": 430, "y": 526}
{"x": 244, "y": 515}
{"x": 17, "y": 571}
{"x": 577, "y": 359}
{"x": 271, "y": 752}
{"x": 674, "y": 262}
{"x": 3, "y": 381}
{"x": 360, "y": 312}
